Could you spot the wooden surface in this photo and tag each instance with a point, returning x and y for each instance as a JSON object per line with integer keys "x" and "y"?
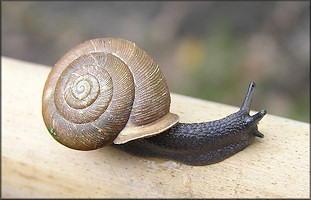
{"x": 35, "y": 165}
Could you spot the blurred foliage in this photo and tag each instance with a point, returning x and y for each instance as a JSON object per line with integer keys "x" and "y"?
{"x": 207, "y": 49}
{"x": 213, "y": 63}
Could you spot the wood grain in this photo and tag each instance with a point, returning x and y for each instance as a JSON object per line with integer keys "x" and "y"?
{"x": 35, "y": 165}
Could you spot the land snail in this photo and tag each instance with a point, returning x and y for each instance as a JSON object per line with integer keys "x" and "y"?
{"x": 108, "y": 91}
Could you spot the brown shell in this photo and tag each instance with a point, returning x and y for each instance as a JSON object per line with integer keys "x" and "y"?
{"x": 105, "y": 90}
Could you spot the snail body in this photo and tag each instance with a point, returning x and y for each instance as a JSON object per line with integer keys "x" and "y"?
{"x": 108, "y": 91}
{"x": 202, "y": 143}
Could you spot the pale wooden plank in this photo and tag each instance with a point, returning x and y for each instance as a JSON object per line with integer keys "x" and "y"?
{"x": 34, "y": 165}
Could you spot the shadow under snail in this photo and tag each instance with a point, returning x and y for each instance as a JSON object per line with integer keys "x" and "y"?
{"x": 107, "y": 91}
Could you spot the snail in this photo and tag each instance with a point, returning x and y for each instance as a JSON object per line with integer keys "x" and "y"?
{"x": 108, "y": 91}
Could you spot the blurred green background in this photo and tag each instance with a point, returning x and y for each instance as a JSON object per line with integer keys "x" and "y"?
{"x": 206, "y": 49}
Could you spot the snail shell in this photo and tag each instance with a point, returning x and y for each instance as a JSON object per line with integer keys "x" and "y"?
{"x": 105, "y": 90}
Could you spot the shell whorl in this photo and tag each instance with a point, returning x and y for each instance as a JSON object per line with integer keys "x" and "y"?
{"x": 103, "y": 87}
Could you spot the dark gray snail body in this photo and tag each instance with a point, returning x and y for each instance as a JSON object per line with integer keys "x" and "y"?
{"x": 202, "y": 143}
{"x": 108, "y": 91}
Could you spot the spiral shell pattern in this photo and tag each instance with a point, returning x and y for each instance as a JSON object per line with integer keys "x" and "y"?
{"x": 104, "y": 88}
